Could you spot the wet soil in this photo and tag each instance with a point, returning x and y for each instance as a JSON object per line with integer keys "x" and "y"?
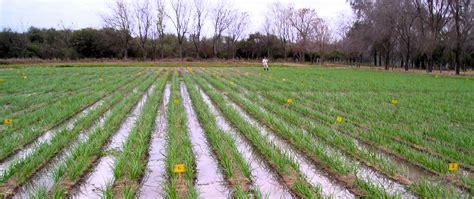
{"x": 210, "y": 181}
{"x": 102, "y": 174}
{"x": 152, "y": 186}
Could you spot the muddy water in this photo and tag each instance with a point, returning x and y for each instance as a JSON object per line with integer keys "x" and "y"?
{"x": 44, "y": 177}
{"x": 312, "y": 174}
{"x": 151, "y": 186}
{"x": 102, "y": 175}
{"x": 210, "y": 181}
{"x": 264, "y": 180}
{"x": 46, "y": 137}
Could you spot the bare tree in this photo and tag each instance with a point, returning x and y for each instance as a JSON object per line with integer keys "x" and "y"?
{"x": 222, "y": 16}
{"x": 461, "y": 11}
{"x": 405, "y": 28}
{"x": 344, "y": 23}
{"x": 237, "y": 29}
{"x": 160, "y": 25}
{"x": 431, "y": 18}
{"x": 199, "y": 16}
{"x": 302, "y": 20}
{"x": 268, "y": 29}
{"x": 322, "y": 36}
{"x": 438, "y": 11}
{"x": 180, "y": 17}
{"x": 282, "y": 25}
{"x": 144, "y": 17}
{"x": 384, "y": 21}
{"x": 120, "y": 19}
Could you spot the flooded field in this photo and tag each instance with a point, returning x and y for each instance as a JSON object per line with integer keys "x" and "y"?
{"x": 197, "y": 132}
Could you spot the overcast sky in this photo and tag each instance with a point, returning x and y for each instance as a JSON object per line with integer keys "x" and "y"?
{"x": 21, "y": 14}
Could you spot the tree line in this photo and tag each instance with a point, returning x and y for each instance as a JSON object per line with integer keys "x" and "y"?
{"x": 422, "y": 34}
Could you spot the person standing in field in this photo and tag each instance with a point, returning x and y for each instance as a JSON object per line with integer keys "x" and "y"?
{"x": 265, "y": 64}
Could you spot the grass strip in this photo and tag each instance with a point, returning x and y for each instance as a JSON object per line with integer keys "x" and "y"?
{"x": 286, "y": 168}
{"x": 179, "y": 149}
{"x": 412, "y": 156}
{"x": 236, "y": 169}
{"x": 24, "y": 168}
{"x": 13, "y": 143}
{"x": 87, "y": 152}
{"x": 130, "y": 165}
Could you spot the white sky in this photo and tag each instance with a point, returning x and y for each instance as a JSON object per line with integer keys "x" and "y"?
{"x": 76, "y": 14}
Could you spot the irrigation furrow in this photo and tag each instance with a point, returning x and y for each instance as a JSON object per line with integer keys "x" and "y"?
{"x": 235, "y": 169}
{"x": 356, "y": 101}
{"x": 47, "y": 83}
{"x": 43, "y": 179}
{"x": 152, "y": 186}
{"x": 287, "y": 170}
{"x": 311, "y": 173}
{"x": 364, "y": 143}
{"x": 364, "y": 170}
{"x": 69, "y": 174}
{"x": 362, "y": 173}
{"x": 45, "y": 153}
{"x": 264, "y": 180}
{"x": 23, "y": 151}
{"x": 425, "y": 146}
{"x": 129, "y": 167}
{"x": 56, "y": 94}
{"x": 102, "y": 174}
{"x": 210, "y": 181}
{"x": 364, "y": 108}
{"x": 33, "y": 118}
{"x": 397, "y": 162}
{"x": 318, "y": 113}
{"x": 46, "y": 137}
{"x": 414, "y": 168}
{"x": 17, "y": 140}
{"x": 178, "y": 148}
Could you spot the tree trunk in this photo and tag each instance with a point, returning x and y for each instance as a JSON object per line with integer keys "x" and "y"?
{"x": 214, "y": 46}
{"x": 162, "y": 50}
{"x": 456, "y": 58}
{"x": 375, "y": 57}
{"x": 380, "y": 59}
{"x": 458, "y": 38}
{"x": 144, "y": 51}
{"x": 408, "y": 56}
{"x": 125, "y": 46}
{"x": 234, "y": 49}
{"x": 430, "y": 64}
{"x": 196, "y": 46}
{"x": 180, "y": 44}
{"x": 402, "y": 63}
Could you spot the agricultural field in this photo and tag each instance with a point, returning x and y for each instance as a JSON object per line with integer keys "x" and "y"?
{"x": 234, "y": 132}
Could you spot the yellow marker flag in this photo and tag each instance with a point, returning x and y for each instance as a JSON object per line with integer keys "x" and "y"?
{"x": 453, "y": 166}
{"x": 179, "y": 168}
{"x": 8, "y": 121}
{"x": 394, "y": 102}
